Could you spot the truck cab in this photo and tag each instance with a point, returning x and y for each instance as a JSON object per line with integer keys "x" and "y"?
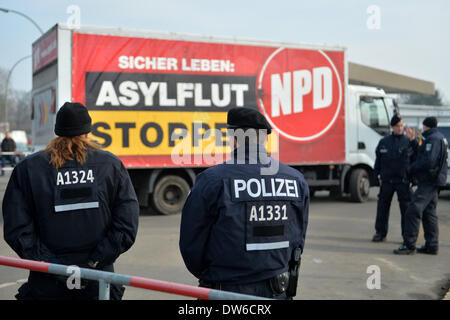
{"x": 367, "y": 119}
{"x": 369, "y": 111}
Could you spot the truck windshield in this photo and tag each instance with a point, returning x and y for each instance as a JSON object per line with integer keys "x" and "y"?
{"x": 374, "y": 114}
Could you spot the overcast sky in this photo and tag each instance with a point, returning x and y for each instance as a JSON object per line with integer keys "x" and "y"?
{"x": 412, "y": 37}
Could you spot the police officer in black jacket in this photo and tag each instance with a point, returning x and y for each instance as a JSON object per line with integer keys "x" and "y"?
{"x": 394, "y": 155}
{"x": 430, "y": 169}
{"x": 8, "y": 145}
{"x": 70, "y": 204}
{"x": 244, "y": 222}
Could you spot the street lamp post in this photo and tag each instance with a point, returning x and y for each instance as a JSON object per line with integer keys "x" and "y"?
{"x": 25, "y": 16}
{"x": 11, "y": 70}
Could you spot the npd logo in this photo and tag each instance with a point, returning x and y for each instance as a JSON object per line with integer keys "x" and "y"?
{"x": 300, "y": 93}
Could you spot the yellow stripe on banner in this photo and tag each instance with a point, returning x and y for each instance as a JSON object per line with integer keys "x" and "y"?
{"x": 156, "y": 132}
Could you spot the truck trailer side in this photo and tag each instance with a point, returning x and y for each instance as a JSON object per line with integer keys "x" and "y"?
{"x": 159, "y": 102}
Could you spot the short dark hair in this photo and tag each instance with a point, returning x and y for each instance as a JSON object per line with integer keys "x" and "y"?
{"x": 430, "y": 122}
{"x": 395, "y": 119}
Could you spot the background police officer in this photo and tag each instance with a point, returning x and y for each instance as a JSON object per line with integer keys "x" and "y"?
{"x": 393, "y": 156}
{"x": 70, "y": 204}
{"x": 241, "y": 227}
{"x": 8, "y": 145}
{"x": 430, "y": 169}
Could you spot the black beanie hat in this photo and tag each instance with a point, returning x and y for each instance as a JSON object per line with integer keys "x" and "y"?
{"x": 72, "y": 120}
{"x": 240, "y": 117}
{"x": 395, "y": 119}
{"x": 430, "y": 122}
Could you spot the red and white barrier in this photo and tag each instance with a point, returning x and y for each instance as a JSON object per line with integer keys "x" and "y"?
{"x": 13, "y": 153}
{"x": 121, "y": 279}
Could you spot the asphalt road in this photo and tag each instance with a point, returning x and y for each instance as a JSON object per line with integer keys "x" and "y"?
{"x": 335, "y": 263}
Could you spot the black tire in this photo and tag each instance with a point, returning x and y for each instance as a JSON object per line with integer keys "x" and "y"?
{"x": 359, "y": 185}
{"x": 169, "y": 194}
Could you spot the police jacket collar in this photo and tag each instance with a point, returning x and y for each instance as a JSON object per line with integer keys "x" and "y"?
{"x": 429, "y": 132}
{"x": 397, "y": 135}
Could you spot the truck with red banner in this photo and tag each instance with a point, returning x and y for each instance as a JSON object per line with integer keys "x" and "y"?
{"x": 159, "y": 102}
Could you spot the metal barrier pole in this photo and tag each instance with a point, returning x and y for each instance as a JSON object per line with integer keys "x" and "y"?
{"x": 106, "y": 278}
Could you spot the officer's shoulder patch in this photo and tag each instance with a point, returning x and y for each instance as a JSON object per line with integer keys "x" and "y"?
{"x": 428, "y": 147}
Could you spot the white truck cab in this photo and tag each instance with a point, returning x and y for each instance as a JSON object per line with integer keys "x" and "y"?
{"x": 367, "y": 119}
{"x": 368, "y": 114}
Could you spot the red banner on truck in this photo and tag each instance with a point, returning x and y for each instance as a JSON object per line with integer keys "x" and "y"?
{"x": 140, "y": 91}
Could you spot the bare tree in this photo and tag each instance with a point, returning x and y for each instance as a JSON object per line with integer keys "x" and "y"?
{"x": 19, "y": 105}
{"x": 19, "y": 114}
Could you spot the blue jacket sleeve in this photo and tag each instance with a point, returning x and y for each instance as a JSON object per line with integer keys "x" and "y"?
{"x": 124, "y": 222}
{"x": 19, "y": 229}
{"x": 413, "y": 149}
{"x": 198, "y": 216}
{"x": 305, "y": 215}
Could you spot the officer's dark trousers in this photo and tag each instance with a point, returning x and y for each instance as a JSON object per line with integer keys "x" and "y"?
{"x": 260, "y": 289}
{"x": 422, "y": 207}
{"x": 387, "y": 190}
{"x": 45, "y": 286}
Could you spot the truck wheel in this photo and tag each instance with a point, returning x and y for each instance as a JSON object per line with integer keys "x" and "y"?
{"x": 169, "y": 194}
{"x": 359, "y": 185}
